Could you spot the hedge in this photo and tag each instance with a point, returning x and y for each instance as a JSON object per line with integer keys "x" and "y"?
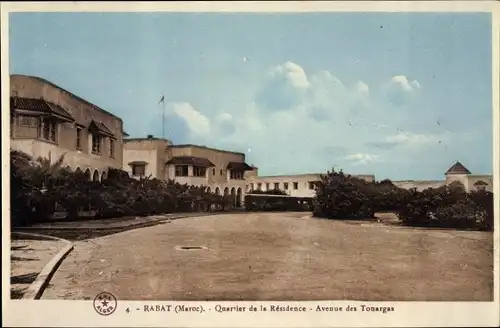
{"x": 271, "y": 203}
{"x": 39, "y": 188}
{"x": 341, "y": 196}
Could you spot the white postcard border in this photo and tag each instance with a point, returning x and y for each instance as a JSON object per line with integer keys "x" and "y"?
{"x": 411, "y": 314}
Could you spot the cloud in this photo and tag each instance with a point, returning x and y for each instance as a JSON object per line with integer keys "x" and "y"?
{"x": 199, "y": 124}
{"x": 362, "y": 158}
{"x": 284, "y": 88}
{"x": 362, "y": 87}
{"x": 300, "y": 121}
{"x": 292, "y": 73}
{"x": 401, "y": 81}
{"x": 400, "y": 90}
{"x": 225, "y": 123}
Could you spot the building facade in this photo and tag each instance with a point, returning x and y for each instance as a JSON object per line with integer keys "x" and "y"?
{"x": 222, "y": 172}
{"x": 48, "y": 121}
{"x": 298, "y": 185}
{"x": 457, "y": 175}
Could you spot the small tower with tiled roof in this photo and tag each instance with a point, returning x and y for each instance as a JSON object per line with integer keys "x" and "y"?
{"x": 457, "y": 168}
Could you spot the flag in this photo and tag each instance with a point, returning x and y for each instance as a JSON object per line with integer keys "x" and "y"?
{"x": 162, "y": 100}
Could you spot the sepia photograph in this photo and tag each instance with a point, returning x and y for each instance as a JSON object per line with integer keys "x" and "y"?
{"x": 165, "y": 156}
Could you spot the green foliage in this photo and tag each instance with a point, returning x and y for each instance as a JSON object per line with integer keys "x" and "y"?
{"x": 40, "y": 187}
{"x": 340, "y": 196}
{"x": 449, "y": 207}
{"x": 273, "y": 203}
{"x": 269, "y": 192}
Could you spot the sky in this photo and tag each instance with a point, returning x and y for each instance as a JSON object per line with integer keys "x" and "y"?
{"x": 398, "y": 95}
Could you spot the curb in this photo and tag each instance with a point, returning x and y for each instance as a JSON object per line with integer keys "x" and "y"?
{"x": 37, "y": 287}
{"x": 117, "y": 227}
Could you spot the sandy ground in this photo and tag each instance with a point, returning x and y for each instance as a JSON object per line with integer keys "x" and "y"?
{"x": 279, "y": 257}
{"x": 28, "y": 257}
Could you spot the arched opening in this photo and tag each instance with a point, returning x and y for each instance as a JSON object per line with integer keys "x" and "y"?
{"x": 217, "y": 191}
{"x": 87, "y": 174}
{"x": 226, "y": 191}
{"x": 103, "y": 176}
{"x": 233, "y": 196}
{"x": 457, "y": 185}
{"x": 209, "y": 190}
{"x": 78, "y": 170}
{"x": 239, "y": 197}
{"x": 480, "y": 185}
{"x": 96, "y": 176}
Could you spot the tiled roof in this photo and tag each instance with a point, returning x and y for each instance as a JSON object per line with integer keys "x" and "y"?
{"x": 100, "y": 127}
{"x": 205, "y": 147}
{"x": 239, "y": 166}
{"x": 458, "y": 168}
{"x": 190, "y": 160}
{"x": 39, "y": 105}
{"x": 480, "y": 183}
{"x": 138, "y": 163}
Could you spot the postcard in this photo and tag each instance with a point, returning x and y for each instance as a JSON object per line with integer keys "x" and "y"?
{"x": 250, "y": 164}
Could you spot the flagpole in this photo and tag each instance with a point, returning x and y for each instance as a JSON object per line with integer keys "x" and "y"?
{"x": 163, "y": 120}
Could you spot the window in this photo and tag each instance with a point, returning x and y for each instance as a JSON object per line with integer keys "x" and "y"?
{"x": 138, "y": 170}
{"x": 46, "y": 129}
{"x": 78, "y": 138}
{"x": 49, "y": 129}
{"x": 285, "y": 185}
{"x": 213, "y": 171}
{"x": 111, "y": 148}
{"x": 251, "y": 186}
{"x": 295, "y": 185}
{"x": 237, "y": 175}
{"x": 277, "y": 185}
{"x": 24, "y": 120}
{"x": 181, "y": 171}
{"x": 199, "y": 171}
{"x": 259, "y": 186}
{"x": 221, "y": 172}
{"x": 313, "y": 184}
{"x": 96, "y": 144}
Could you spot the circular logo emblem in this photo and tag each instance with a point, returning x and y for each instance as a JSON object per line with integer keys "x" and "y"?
{"x": 105, "y": 303}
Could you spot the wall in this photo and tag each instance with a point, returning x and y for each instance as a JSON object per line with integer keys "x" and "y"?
{"x": 82, "y": 111}
{"x": 450, "y": 178}
{"x": 73, "y": 159}
{"x": 220, "y": 158}
{"x": 152, "y": 151}
{"x": 301, "y": 179}
{"x": 473, "y": 178}
{"x": 419, "y": 185}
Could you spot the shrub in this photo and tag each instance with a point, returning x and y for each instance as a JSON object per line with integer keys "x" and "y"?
{"x": 269, "y": 192}
{"x": 275, "y": 203}
{"x": 39, "y": 187}
{"x": 340, "y": 196}
{"x": 449, "y": 207}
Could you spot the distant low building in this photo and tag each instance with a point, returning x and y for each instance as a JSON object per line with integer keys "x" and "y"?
{"x": 49, "y": 121}
{"x": 457, "y": 175}
{"x": 221, "y": 171}
{"x": 297, "y": 185}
